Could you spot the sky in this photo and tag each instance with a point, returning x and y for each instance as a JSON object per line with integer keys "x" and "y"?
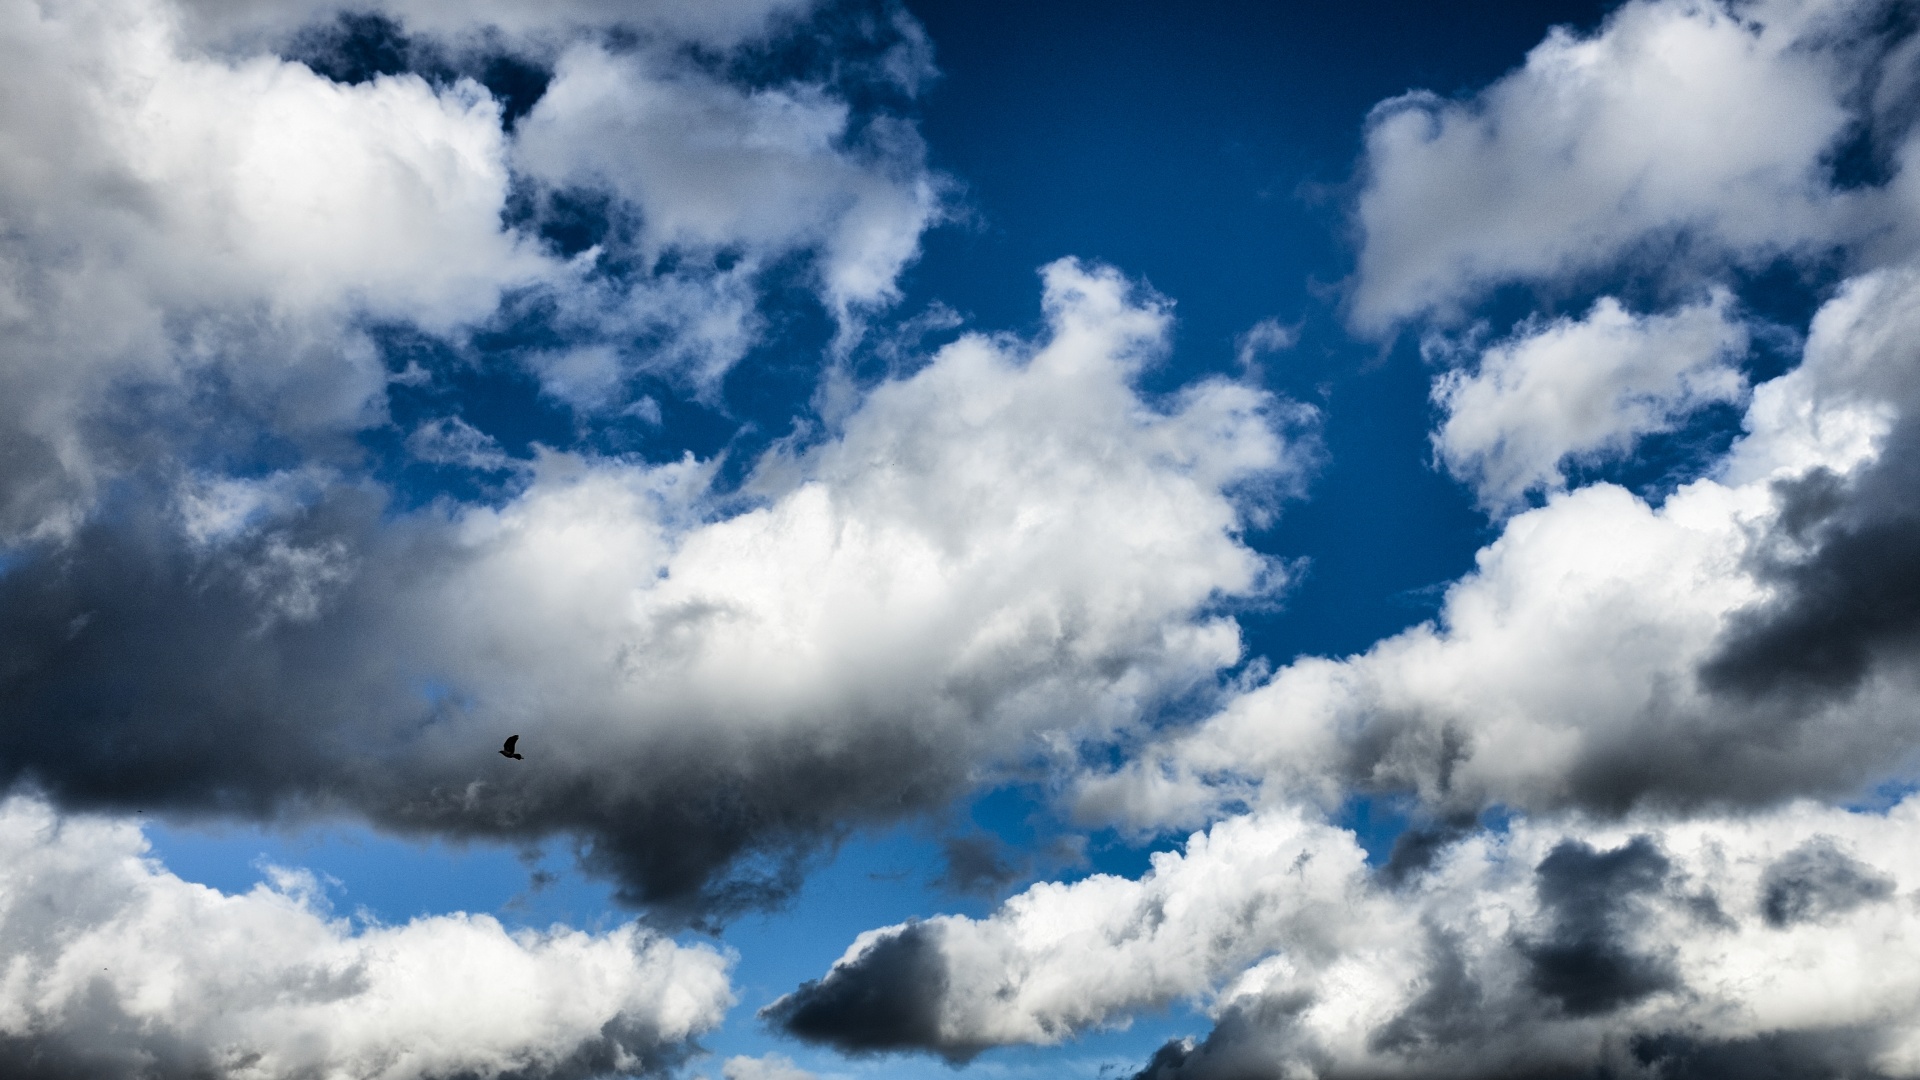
{"x": 1133, "y": 541}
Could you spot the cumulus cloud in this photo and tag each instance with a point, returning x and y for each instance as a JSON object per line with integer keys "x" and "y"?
{"x": 1677, "y": 127}
{"x": 1003, "y": 555}
{"x": 1749, "y": 639}
{"x": 712, "y": 23}
{"x": 117, "y": 968}
{"x": 768, "y": 171}
{"x": 202, "y": 236}
{"x": 1604, "y": 653}
{"x": 1580, "y": 389}
{"x": 1058, "y": 959}
{"x": 189, "y": 231}
{"x": 1645, "y": 947}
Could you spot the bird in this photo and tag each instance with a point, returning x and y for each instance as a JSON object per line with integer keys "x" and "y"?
{"x": 507, "y": 750}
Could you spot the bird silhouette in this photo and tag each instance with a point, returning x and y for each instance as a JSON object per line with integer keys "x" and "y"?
{"x": 507, "y": 750}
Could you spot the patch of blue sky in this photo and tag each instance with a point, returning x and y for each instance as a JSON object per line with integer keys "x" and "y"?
{"x": 389, "y": 878}
{"x": 1884, "y": 796}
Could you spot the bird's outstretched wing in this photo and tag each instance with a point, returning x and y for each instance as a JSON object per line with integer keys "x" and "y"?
{"x": 511, "y": 739}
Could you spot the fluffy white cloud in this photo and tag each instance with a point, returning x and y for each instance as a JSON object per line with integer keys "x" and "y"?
{"x": 177, "y": 220}
{"x": 714, "y": 166}
{"x": 1640, "y": 946}
{"x": 198, "y": 239}
{"x": 1678, "y": 118}
{"x": 1580, "y": 390}
{"x": 1058, "y": 959}
{"x": 1002, "y": 519}
{"x": 112, "y": 967}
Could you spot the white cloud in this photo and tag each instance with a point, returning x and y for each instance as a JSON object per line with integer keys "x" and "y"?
{"x": 1265, "y": 336}
{"x": 713, "y": 166}
{"x": 1581, "y": 390}
{"x": 114, "y": 967}
{"x": 1057, "y": 959}
{"x": 179, "y": 220}
{"x": 1557, "y": 945}
{"x": 1677, "y": 117}
{"x": 452, "y": 441}
{"x": 769, "y": 1067}
{"x": 199, "y": 236}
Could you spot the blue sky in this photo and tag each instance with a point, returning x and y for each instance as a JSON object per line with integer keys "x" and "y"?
{"x": 1163, "y": 542}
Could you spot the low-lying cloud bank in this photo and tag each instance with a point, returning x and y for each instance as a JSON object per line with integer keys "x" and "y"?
{"x": 1648, "y": 946}
{"x": 115, "y": 968}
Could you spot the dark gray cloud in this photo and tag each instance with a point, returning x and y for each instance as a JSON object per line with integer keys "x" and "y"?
{"x": 141, "y": 674}
{"x": 1585, "y": 961}
{"x": 1229, "y": 1053}
{"x": 1818, "y": 880}
{"x": 887, "y": 999}
{"x": 1418, "y": 848}
{"x": 1845, "y": 563}
{"x": 1451, "y": 1005}
{"x": 1834, "y": 1054}
{"x": 1236, "y": 1049}
{"x": 976, "y": 863}
{"x": 104, "y": 1042}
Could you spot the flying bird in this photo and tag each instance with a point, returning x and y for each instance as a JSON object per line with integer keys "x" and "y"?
{"x": 507, "y": 750}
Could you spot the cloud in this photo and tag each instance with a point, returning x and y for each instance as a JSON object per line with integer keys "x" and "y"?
{"x": 452, "y": 441}
{"x": 1265, "y": 336}
{"x": 1059, "y": 959}
{"x": 1749, "y": 639}
{"x": 1582, "y": 390}
{"x": 714, "y": 166}
{"x": 975, "y": 864}
{"x": 209, "y": 241}
{"x": 995, "y": 559}
{"x": 117, "y": 968}
{"x": 1817, "y": 880}
{"x": 194, "y": 238}
{"x": 769, "y": 1067}
{"x": 887, "y": 996}
{"x": 1581, "y": 961}
{"x": 721, "y": 24}
{"x": 1644, "y": 947}
{"x": 1677, "y": 129}
{"x": 1611, "y": 734}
